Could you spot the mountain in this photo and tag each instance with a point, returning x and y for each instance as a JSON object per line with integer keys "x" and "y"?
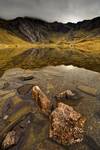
{"x": 31, "y": 43}
{"x": 36, "y": 30}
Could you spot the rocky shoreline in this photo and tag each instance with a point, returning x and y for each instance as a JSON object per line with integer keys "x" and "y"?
{"x": 24, "y": 116}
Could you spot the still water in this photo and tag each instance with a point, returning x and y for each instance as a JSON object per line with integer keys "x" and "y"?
{"x": 36, "y": 58}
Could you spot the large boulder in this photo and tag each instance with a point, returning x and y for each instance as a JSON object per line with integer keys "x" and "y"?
{"x": 66, "y": 125}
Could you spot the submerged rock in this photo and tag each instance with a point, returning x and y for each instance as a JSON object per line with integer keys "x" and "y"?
{"x": 91, "y": 143}
{"x": 41, "y": 99}
{"x": 26, "y": 77}
{"x": 68, "y": 94}
{"x": 5, "y": 92}
{"x": 88, "y": 90}
{"x": 24, "y": 89}
{"x": 3, "y": 84}
{"x": 66, "y": 125}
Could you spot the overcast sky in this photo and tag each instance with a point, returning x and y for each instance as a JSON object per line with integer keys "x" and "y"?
{"x": 51, "y": 10}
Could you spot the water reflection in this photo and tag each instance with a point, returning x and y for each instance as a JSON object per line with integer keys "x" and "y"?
{"x": 36, "y": 58}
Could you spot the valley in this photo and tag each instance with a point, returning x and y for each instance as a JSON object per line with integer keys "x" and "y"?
{"x": 45, "y": 64}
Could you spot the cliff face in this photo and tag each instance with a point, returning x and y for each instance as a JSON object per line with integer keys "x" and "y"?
{"x": 32, "y": 29}
{"x": 27, "y": 28}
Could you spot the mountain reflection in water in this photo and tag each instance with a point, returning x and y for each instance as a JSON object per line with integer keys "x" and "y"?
{"x": 37, "y": 58}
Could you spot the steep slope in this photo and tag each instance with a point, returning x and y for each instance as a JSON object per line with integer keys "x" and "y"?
{"x": 6, "y": 38}
{"x": 28, "y": 28}
{"x": 33, "y": 30}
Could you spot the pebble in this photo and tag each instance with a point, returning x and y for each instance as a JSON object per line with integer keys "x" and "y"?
{"x": 5, "y": 117}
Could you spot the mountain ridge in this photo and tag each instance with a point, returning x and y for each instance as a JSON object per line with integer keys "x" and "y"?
{"x": 37, "y": 30}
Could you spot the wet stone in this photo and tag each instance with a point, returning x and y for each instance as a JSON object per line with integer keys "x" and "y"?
{"x": 66, "y": 125}
{"x": 10, "y": 140}
{"x": 91, "y": 143}
{"x": 25, "y": 78}
{"x": 3, "y": 84}
{"x": 97, "y": 115}
{"x": 68, "y": 94}
{"x": 34, "y": 131}
{"x": 25, "y": 89}
{"x": 89, "y": 90}
{"x": 4, "y": 92}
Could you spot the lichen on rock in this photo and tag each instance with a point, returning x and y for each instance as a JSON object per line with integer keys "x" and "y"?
{"x": 66, "y": 125}
{"x": 10, "y": 140}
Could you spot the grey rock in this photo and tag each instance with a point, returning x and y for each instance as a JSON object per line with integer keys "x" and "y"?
{"x": 5, "y": 92}
{"x": 89, "y": 90}
{"x": 25, "y": 78}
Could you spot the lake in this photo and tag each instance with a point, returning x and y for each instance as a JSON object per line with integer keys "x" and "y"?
{"x": 36, "y": 58}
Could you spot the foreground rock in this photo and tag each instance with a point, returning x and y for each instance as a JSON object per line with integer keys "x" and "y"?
{"x": 66, "y": 125}
{"x": 10, "y": 140}
{"x": 12, "y": 111}
{"x": 42, "y": 100}
{"x": 68, "y": 94}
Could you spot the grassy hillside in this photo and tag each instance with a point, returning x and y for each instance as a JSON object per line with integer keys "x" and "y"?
{"x": 8, "y": 40}
{"x": 80, "y": 40}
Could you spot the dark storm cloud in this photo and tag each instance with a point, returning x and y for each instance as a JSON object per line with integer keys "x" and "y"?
{"x": 51, "y": 10}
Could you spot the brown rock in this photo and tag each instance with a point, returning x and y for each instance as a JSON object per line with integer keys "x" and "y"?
{"x": 41, "y": 99}
{"x": 10, "y": 140}
{"x": 65, "y": 95}
{"x": 66, "y": 125}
